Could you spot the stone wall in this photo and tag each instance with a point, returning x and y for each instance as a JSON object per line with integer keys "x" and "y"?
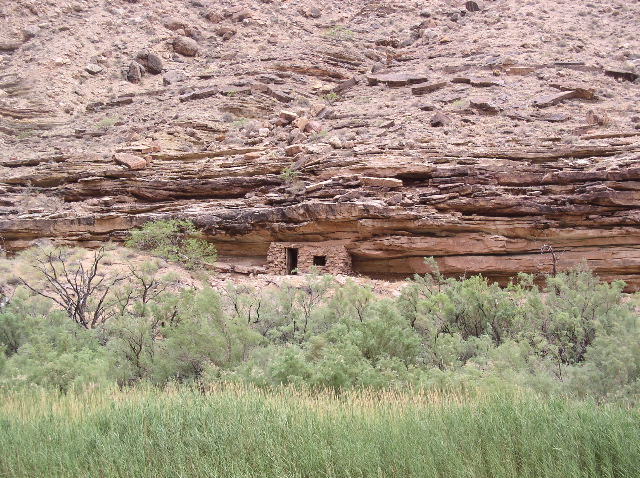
{"x": 337, "y": 259}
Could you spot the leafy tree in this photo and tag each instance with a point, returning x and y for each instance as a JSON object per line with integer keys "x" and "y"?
{"x": 175, "y": 240}
{"x": 564, "y": 321}
{"x": 5, "y": 298}
{"x": 308, "y": 297}
{"x": 245, "y": 302}
{"x": 340, "y": 366}
{"x": 57, "y": 354}
{"x": 289, "y": 366}
{"x": 131, "y": 345}
{"x": 279, "y": 313}
{"x": 199, "y": 339}
{"x": 143, "y": 289}
{"x": 386, "y": 335}
{"x": 351, "y": 301}
{"x": 15, "y": 321}
{"x": 611, "y": 366}
{"x": 473, "y": 308}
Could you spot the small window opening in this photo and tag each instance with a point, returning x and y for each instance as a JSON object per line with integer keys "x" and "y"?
{"x": 319, "y": 260}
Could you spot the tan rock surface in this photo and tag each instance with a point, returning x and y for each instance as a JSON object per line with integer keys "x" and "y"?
{"x": 355, "y": 158}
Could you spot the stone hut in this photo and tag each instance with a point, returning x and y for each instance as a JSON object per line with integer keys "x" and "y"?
{"x": 286, "y": 258}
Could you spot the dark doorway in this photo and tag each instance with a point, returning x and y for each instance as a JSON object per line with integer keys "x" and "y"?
{"x": 320, "y": 260}
{"x": 292, "y": 260}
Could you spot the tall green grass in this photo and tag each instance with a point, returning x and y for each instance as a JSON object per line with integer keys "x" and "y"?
{"x": 240, "y": 431}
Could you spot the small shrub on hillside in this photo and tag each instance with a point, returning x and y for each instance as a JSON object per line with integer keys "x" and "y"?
{"x": 175, "y": 240}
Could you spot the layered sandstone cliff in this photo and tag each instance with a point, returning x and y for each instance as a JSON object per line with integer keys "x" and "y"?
{"x": 399, "y": 130}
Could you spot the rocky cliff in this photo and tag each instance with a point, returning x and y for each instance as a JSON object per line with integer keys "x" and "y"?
{"x": 477, "y": 133}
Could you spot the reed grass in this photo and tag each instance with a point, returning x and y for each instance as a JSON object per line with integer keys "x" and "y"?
{"x": 240, "y": 431}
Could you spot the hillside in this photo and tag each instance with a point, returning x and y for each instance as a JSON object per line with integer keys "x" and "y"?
{"x": 473, "y": 132}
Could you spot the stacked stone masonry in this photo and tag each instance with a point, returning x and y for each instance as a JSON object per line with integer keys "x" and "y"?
{"x": 304, "y": 257}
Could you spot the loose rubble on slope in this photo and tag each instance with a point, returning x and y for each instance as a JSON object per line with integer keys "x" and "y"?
{"x": 474, "y": 132}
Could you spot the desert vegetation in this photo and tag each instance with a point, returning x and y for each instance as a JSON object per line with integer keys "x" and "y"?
{"x": 72, "y": 317}
{"x": 452, "y": 377}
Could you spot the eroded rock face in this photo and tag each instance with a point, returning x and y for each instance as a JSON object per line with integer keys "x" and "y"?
{"x": 464, "y": 139}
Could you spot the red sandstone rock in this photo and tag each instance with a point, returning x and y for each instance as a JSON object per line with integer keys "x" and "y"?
{"x": 423, "y": 88}
{"x": 186, "y": 46}
{"x": 484, "y": 103}
{"x": 580, "y": 90}
{"x": 545, "y": 101}
{"x": 252, "y": 155}
{"x": 520, "y": 70}
{"x": 242, "y": 15}
{"x": 288, "y": 116}
{"x": 396, "y": 79}
{"x": 382, "y": 182}
{"x": 301, "y": 123}
{"x": 130, "y": 161}
{"x": 440, "y": 119}
{"x": 482, "y": 196}
{"x": 293, "y": 149}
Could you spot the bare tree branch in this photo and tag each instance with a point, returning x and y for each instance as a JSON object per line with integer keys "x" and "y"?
{"x": 555, "y": 257}
{"x": 74, "y": 289}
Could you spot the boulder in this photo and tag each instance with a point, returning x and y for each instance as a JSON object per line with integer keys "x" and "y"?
{"x": 287, "y": 116}
{"x": 172, "y": 77}
{"x": 6, "y": 45}
{"x": 584, "y": 91}
{"x": 200, "y": 94}
{"x": 474, "y": 5}
{"x": 93, "y": 69}
{"x": 301, "y": 123}
{"x": 335, "y": 142}
{"x": 544, "y": 101}
{"x": 622, "y": 75}
{"x": 172, "y": 23}
{"x": 241, "y": 15}
{"x": 313, "y": 127}
{"x": 396, "y": 79}
{"x": 293, "y": 149}
{"x": 428, "y": 87}
{"x": 130, "y": 161}
{"x": 225, "y": 32}
{"x": 150, "y": 61}
{"x": 313, "y": 12}
{"x": 484, "y": 103}
{"x": 440, "y": 119}
{"x": 186, "y": 46}
{"x": 29, "y": 32}
{"x": 135, "y": 72}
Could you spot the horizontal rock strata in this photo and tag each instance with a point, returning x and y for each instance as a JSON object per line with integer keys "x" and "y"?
{"x": 457, "y": 132}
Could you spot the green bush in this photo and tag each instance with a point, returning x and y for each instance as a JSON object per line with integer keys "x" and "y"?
{"x": 573, "y": 335}
{"x": 44, "y": 348}
{"x": 175, "y": 240}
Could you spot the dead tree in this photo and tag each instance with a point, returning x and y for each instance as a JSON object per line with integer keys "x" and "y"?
{"x": 5, "y": 298}
{"x": 555, "y": 257}
{"x": 83, "y": 292}
{"x": 5, "y": 295}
